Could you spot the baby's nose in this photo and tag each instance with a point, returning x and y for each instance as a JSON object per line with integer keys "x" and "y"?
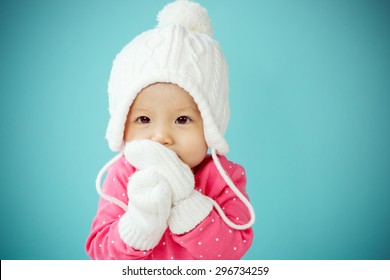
{"x": 162, "y": 136}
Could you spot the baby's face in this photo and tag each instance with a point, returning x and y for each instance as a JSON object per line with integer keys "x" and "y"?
{"x": 167, "y": 114}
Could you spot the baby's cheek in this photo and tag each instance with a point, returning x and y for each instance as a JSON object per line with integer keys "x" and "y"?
{"x": 195, "y": 158}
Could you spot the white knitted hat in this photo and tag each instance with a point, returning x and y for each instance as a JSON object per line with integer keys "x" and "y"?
{"x": 178, "y": 50}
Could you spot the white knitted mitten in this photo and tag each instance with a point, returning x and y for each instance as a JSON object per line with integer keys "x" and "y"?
{"x": 189, "y": 206}
{"x": 145, "y": 221}
{"x": 144, "y": 154}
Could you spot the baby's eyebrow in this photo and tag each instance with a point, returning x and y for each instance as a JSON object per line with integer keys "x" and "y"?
{"x": 141, "y": 109}
{"x": 191, "y": 108}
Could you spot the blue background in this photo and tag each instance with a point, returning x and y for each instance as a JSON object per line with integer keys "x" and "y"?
{"x": 310, "y": 85}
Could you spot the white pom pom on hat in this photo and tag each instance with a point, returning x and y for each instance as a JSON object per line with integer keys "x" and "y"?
{"x": 179, "y": 50}
{"x": 189, "y": 14}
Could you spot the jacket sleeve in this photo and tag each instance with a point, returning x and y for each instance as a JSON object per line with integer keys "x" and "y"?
{"x": 213, "y": 238}
{"x": 104, "y": 242}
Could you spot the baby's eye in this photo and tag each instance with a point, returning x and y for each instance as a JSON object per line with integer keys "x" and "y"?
{"x": 183, "y": 120}
{"x": 143, "y": 119}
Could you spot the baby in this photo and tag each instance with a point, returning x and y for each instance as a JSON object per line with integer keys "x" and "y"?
{"x": 164, "y": 196}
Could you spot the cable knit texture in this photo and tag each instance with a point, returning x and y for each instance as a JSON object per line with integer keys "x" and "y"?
{"x": 186, "y": 214}
{"x": 148, "y": 210}
{"x": 150, "y": 154}
{"x": 211, "y": 238}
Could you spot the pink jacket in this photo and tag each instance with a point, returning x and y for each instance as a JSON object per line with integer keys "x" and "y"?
{"x": 211, "y": 239}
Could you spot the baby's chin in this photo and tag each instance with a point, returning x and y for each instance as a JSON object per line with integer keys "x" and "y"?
{"x": 183, "y": 160}
{"x": 193, "y": 163}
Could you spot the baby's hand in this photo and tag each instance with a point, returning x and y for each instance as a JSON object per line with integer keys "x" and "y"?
{"x": 145, "y": 154}
{"x": 150, "y": 192}
{"x": 146, "y": 219}
{"x": 189, "y": 206}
